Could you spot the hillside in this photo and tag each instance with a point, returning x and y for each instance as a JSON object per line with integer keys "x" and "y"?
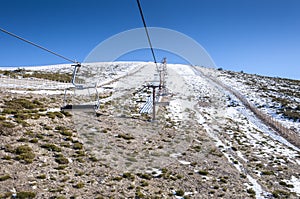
{"x": 206, "y": 143}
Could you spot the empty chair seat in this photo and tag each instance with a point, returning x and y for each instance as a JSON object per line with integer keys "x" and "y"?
{"x": 79, "y": 107}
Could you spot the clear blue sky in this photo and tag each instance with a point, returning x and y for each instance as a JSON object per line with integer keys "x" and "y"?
{"x": 256, "y": 36}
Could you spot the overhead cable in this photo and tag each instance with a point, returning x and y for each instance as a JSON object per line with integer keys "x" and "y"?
{"x": 38, "y": 46}
{"x": 146, "y": 29}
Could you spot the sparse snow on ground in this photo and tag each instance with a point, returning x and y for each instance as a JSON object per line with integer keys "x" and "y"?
{"x": 176, "y": 111}
{"x": 296, "y": 183}
{"x": 46, "y": 92}
{"x": 264, "y": 93}
{"x": 240, "y": 137}
{"x": 205, "y": 94}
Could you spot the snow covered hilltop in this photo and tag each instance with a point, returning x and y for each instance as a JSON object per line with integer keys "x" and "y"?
{"x": 223, "y": 134}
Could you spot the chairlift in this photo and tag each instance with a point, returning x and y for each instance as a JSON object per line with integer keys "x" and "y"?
{"x": 79, "y": 87}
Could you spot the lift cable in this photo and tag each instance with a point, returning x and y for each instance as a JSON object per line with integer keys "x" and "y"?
{"x": 146, "y": 29}
{"x": 38, "y": 46}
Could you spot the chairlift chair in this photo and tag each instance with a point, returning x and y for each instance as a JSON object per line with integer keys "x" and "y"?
{"x": 80, "y": 87}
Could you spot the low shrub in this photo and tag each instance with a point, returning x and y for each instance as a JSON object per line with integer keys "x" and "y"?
{"x": 51, "y": 147}
{"x": 128, "y": 176}
{"x": 60, "y": 159}
{"x": 125, "y": 136}
{"x": 5, "y": 124}
{"x": 26, "y": 195}
{"x": 251, "y": 191}
{"x": 66, "y": 113}
{"x": 144, "y": 176}
{"x": 203, "y": 172}
{"x": 77, "y": 146}
{"x": 79, "y": 185}
{"x": 61, "y": 167}
{"x": 5, "y": 177}
{"x": 267, "y": 173}
{"x": 66, "y": 133}
{"x": 179, "y": 192}
{"x": 42, "y": 176}
{"x": 24, "y": 152}
{"x": 280, "y": 194}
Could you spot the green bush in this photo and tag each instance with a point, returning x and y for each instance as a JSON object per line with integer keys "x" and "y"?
{"x": 61, "y": 160}
{"x": 58, "y": 114}
{"x": 51, "y": 147}
{"x": 203, "y": 172}
{"x": 5, "y": 177}
{"x": 180, "y": 192}
{"x": 26, "y": 195}
{"x": 22, "y": 116}
{"x": 9, "y": 111}
{"x": 280, "y": 194}
{"x": 60, "y": 128}
{"x": 66, "y": 133}
{"x": 144, "y": 176}
{"x": 125, "y": 136}
{"x": 77, "y": 146}
{"x": 5, "y": 124}
{"x": 79, "y": 153}
{"x": 35, "y": 116}
{"x": 139, "y": 194}
{"x": 223, "y": 180}
{"x": 60, "y": 77}
{"x": 61, "y": 167}
{"x": 282, "y": 183}
{"x": 267, "y": 173}
{"x": 42, "y": 176}
{"x": 144, "y": 183}
{"x": 129, "y": 176}
{"x": 61, "y": 197}
{"x": 251, "y": 191}
{"x": 22, "y": 122}
{"x": 80, "y": 160}
{"x": 197, "y": 148}
{"x": 21, "y": 104}
{"x": 40, "y": 136}
{"x": 118, "y": 178}
{"x": 22, "y": 149}
{"x": 25, "y": 153}
{"x": 22, "y": 140}
{"x": 34, "y": 140}
{"x": 42, "y": 109}
{"x": 6, "y": 157}
{"x": 27, "y": 158}
{"x": 79, "y": 185}
{"x": 66, "y": 113}
{"x": 6, "y": 128}
{"x": 51, "y": 115}
{"x": 65, "y": 144}
{"x": 93, "y": 159}
{"x": 48, "y": 128}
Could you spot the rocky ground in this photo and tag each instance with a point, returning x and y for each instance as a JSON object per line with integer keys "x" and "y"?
{"x": 202, "y": 145}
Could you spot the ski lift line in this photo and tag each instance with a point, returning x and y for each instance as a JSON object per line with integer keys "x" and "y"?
{"x": 38, "y": 46}
{"x": 146, "y": 30}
